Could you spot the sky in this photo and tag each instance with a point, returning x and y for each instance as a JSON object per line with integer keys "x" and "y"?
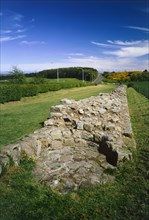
{"x": 108, "y": 35}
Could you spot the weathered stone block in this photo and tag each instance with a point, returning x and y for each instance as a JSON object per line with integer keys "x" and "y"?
{"x": 56, "y": 144}
{"x": 56, "y": 115}
{"x": 56, "y": 134}
{"x": 80, "y": 125}
{"x": 102, "y": 111}
{"x": 66, "y": 134}
{"x": 49, "y": 122}
{"x": 68, "y": 142}
{"x": 57, "y": 108}
{"x": 88, "y": 126}
{"x": 66, "y": 101}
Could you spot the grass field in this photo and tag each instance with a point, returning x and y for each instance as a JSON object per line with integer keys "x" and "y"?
{"x": 20, "y": 118}
{"x": 125, "y": 199}
{"x": 60, "y": 80}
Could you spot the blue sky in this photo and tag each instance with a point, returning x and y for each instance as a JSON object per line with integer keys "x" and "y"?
{"x": 109, "y": 35}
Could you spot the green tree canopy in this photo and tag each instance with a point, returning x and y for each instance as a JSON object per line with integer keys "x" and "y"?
{"x": 18, "y": 76}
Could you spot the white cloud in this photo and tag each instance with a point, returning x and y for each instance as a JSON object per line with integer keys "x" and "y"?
{"x": 100, "y": 44}
{"x": 32, "y": 42}
{"x": 18, "y": 25}
{"x": 126, "y": 48}
{"x": 138, "y": 28}
{"x": 20, "y": 30}
{"x": 74, "y": 54}
{"x": 134, "y": 48}
{"x": 124, "y": 43}
{"x": 10, "y": 38}
{"x": 118, "y": 43}
{"x": 129, "y": 52}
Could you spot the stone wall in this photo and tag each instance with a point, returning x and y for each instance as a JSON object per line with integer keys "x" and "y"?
{"x": 79, "y": 141}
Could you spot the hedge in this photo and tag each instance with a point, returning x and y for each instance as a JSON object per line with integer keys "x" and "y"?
{"x": 13, "y": 92}
{"x": 29, "y": 90}
{"x": 10, "y": 93}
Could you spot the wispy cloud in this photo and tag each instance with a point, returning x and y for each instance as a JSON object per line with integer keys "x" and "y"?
{"x": 100, "y": 44}
{"x": 118, "y": 43}
{"x": 13, "y": 31}
{"x": 125, "y": 48}
{"x": 6, "y": 31}
{"x": 18, "y": 17}
{"x": 32, "y": 42}
{"x": 74, "y": 54}
{"x": 10, "y": 38}
{"x": 138, "y": 28}
{"x": 20, "y": 30}
{"x": 18, "y": 25}
{"x": 1, "y": 14}
{"x": 124, "y": 43}
{"x": 14, "y": 28}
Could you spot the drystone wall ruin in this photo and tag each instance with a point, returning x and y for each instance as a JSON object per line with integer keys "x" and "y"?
{"x": 79, "y": 141}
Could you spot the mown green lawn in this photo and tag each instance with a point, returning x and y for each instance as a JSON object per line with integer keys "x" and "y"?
{"x": 18, "y": 119}
{"x": 125, "y": 199}
{"x": 64, "y": 80}
{"x": 35, "y": 79}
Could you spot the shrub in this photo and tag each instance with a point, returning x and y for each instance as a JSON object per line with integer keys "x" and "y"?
{"x": 10, "y": 93}
{"x": 29, "y": 90}
{"x": 43, "y": 88}
{"x": 55, "y": 87}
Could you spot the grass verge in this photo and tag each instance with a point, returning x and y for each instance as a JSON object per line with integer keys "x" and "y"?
{"x": 127, "y": 198}
{"x": 141, "y": 87}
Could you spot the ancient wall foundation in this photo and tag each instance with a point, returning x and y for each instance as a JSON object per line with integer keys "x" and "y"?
{"x": 79, "y": 141}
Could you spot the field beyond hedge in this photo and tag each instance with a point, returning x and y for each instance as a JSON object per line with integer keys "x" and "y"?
{"x": 126, "y": 198}
{"x": 21, "y": 118}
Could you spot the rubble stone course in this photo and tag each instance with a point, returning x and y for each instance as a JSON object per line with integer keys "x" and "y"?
{"x": 79, "y": 141}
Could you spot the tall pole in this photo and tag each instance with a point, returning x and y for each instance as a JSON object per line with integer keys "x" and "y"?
{"x": 57, "y": 75}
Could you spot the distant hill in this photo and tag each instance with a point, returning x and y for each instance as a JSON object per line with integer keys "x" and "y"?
{"x": 4, "y": 73}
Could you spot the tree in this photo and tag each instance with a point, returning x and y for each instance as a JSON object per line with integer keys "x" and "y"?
{"x": 145, "y": 71}
{"x": 17, "y": 75}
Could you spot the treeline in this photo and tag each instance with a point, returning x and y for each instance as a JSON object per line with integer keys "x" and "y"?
{"x": 14, "y": 92}
{"x": 82, "y": 73}
{"x": 87, "y": 74}
{"x": 127, "y": 76}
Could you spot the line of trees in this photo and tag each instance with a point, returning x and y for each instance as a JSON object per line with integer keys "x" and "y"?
{"x": 85, "y": 73}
